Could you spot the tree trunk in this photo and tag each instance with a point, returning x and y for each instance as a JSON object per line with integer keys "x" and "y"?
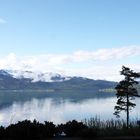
{"x": 127, "y": 111}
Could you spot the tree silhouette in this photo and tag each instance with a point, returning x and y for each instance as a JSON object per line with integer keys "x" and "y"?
{"x": 126, "y": 92}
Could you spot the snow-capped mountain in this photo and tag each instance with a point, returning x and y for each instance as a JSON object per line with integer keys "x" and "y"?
{"x": 28, "y": 80}
{"x": 36, "y": 76}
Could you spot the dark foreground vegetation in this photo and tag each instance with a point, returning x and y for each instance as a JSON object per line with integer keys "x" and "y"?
{"x": 93, "y": 128}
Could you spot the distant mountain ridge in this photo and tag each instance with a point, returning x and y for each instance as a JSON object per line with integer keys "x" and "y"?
{"x": 21, "y": 80}
{"x": 35, "y": 76}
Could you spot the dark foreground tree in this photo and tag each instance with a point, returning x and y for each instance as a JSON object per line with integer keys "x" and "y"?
{"x": 126, "y": 92}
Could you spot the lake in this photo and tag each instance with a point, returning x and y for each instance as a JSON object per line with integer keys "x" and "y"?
{"x": 62, "y": 110}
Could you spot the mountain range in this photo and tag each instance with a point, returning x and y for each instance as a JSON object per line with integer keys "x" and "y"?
{"x": 28, "y": 80}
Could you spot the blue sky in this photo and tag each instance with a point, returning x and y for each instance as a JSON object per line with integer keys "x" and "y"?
{"x": 58, "y": 28}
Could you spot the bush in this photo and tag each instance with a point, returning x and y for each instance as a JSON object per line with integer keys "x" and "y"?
{"x": 73, "y": 128}
{"x": 30, "y": 130}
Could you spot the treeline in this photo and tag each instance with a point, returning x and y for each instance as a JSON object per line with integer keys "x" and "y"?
{"x": 36, "y": 130}
{"x": 89, "y": 128}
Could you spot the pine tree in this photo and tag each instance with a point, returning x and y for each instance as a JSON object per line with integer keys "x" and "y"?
{"x": 126, "y": 92}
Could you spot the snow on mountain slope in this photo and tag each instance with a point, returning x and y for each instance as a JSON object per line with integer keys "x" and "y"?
{"x": 36, "y": 76}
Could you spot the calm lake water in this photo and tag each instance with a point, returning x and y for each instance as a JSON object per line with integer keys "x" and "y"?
{"x": 60, "y": 111}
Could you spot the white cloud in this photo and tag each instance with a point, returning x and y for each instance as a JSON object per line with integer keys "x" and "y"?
{"x": 97, "y": 72}
{"x": 76, "y": 63}
{"x": 2, "y": 20}
{"x": 108, "y": 54}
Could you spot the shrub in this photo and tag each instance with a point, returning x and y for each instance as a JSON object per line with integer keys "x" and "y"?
{"x": 73, "y": 128}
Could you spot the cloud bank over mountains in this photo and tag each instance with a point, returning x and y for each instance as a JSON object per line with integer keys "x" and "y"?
{"x": 98, "y": 64}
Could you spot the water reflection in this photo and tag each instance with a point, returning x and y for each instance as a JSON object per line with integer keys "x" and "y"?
{"x": 60, "y": 111}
